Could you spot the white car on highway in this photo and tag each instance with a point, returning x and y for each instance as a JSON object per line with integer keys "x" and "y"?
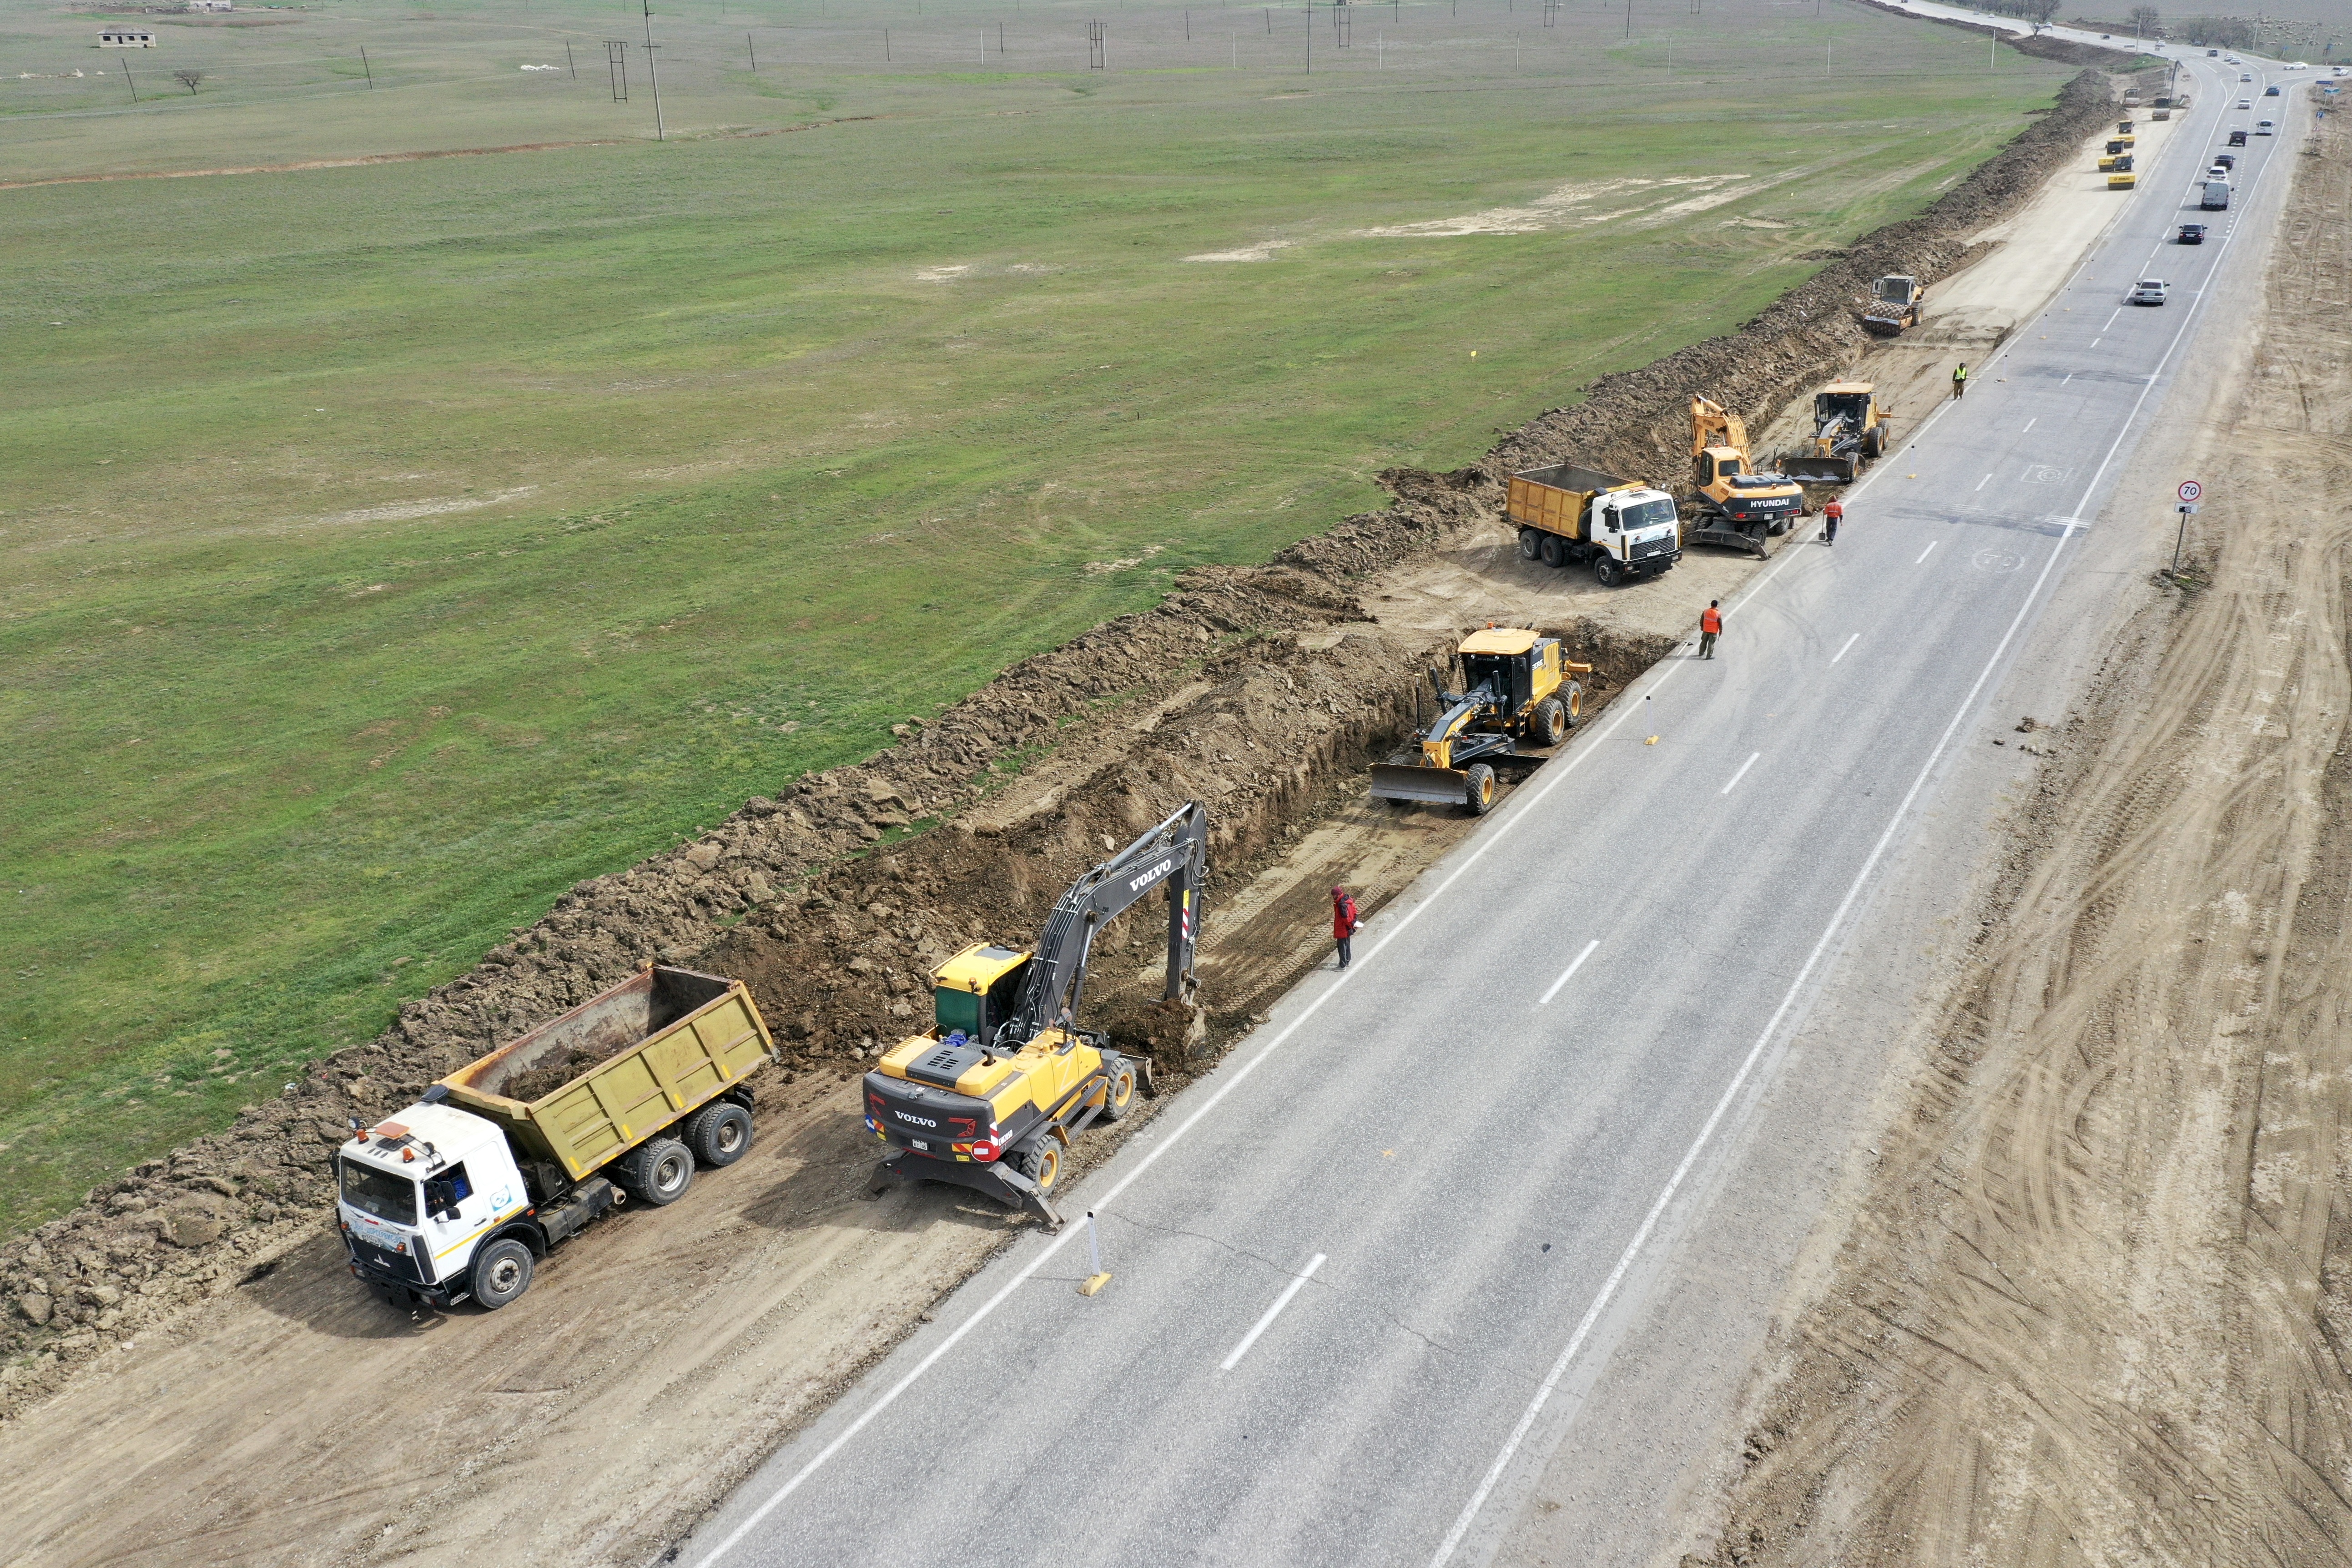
{"x": 2264, "y": 127}
{"x": 2150, "y": 291}
{"x": 2245, "y": 103}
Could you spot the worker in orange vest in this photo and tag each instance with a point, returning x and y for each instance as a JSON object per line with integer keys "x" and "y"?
{"x": 1834, "y": 514}
{"x": 1710, "y": 627}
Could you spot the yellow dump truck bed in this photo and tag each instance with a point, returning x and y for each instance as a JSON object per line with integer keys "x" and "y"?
{"x": 1555, "y": 499}
{"x": 589, "y": 1086}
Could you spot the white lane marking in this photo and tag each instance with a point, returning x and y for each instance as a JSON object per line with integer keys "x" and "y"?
{"x": 2031, "y": 423}
{"x": 1571, "y": 969}
{"x": 1930, "y": 551}
{"x": 2111, "y": 320}
{"x": 1849, "y": 643}
{"x": 1666, "y": 1197}
{"x": 2096, "y": 341}
{"x": 1741, "y": 774}
{"x": 1297, "y": 1281}
{"x": 1982, "y": 482}
{"x": 2070, "y": 376}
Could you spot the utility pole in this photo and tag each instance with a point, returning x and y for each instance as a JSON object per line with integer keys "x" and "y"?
{"x": 569, "y": 63}
{"x": 370, "y": 69}
{"x": 749, "y": 44}
{"x": 654, "y": 71}
{"x": 126, "y": 77}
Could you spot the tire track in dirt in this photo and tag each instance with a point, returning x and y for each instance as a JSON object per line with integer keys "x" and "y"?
{"x": 2096, "y": 1303}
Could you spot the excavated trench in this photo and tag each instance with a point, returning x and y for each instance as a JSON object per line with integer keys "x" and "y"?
{"x": 1260, "y": 690}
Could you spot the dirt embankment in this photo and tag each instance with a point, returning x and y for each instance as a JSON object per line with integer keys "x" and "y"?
{"x": 2096, "y": 1305}
{"x": 1259, "y": 690}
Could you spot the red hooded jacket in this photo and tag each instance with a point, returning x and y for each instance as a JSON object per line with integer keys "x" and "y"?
{"x": 1343, "y": 917}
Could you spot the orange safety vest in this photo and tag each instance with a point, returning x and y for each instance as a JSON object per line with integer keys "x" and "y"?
{"x": 1835, "y": 509}
{"x": 1709, "y": 621}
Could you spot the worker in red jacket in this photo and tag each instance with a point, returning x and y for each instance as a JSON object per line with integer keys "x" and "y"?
{"x": 1345, "y": 923}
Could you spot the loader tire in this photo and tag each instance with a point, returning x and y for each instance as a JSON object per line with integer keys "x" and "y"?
{"x": 1478, "y": 789}
{"x": 657, "y": 1171}
{"x": 1119, "y": 1091}
{"x": 1531, "y": 543}
{"x": 501, "y": 1272}
{"x": 719, "y": 1134}
{"x": 1873, "y": 443}
{"x": 1041, "y": 1162}
{"x": 1608, "y": 572}
{"x": 1555, "y": 550}
{"x": 1551, "y": 725}
{"x": 1571, "y": 697}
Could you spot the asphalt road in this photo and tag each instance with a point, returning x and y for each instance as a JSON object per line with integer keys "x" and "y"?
{"x": 1352, "y": 1267}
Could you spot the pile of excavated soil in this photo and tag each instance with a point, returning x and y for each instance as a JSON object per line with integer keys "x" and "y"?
{"x": 1250, "y": 689}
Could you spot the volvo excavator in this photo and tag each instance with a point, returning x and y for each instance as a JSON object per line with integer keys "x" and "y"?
{"x": 1737, "y": 506}
{"x": 991, "y": 1095}
{"x": 1515, "y": 686}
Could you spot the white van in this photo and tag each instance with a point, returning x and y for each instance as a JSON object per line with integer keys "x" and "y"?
{"x": 2264, "y": 127}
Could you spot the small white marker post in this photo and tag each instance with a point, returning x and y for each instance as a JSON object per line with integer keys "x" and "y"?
{"x": 1099, "y": 1279}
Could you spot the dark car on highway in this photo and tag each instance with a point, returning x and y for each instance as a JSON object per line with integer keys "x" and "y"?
{"x": 2191, "y": 234}
{"x": 2227, "y": 160}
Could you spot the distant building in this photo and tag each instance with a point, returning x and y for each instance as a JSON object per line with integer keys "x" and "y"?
{"x": 126, "y": 38}
{"x": 211, "y": 5}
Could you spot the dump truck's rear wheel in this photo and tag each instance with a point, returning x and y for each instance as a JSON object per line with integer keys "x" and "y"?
{"x": 1555, "y": 552}
{"x": 1608, "y": 572}
{"x": 1478, "y": 789}
{"x": 657, "y": 1171}
{"x": 719, "y": 1134}
{"x": 1041, "y": 1162}
{"x": 1550, "y": 722}
{"x": 501, "y": 1273}
{"x": 1119, "y": 1092}
{"x": 1531, "y": 543}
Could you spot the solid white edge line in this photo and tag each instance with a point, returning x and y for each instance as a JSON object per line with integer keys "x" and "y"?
{"x": 1571, "y": 969}
{"x": 1298, "y": 1281}
{"x": 1848, "y": 648}
{"x": 1511, "y": 818}
{"x": 1707, "y": 1133}
{"x": 1741, "y": 774}
{"x": 1927, "y": 553}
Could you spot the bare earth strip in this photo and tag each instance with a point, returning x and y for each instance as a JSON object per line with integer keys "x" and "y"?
{"x": 2096, "y": 1301}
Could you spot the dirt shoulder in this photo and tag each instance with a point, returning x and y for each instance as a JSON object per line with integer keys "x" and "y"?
{"x": 176, "y": 1339}
{"x": 2092, "y": 1303}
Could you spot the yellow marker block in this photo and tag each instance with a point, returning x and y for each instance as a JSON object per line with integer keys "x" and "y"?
{"x": 1650, "y": 742}
{"x": 1093, "y": 1284}
{"x": 1473, "y": 353}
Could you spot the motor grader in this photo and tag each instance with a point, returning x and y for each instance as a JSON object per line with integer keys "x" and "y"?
{"x": 1849, "y": 430}
{"x": 1515, "y": 686}
{"x": 991, "y": 1095}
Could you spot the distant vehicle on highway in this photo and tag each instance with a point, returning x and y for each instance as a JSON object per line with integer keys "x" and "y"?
{"x": 2148, "y": 291}
{"x": 2270, "y": 93}
{"x": 2245, "y": 103}
{"x": 2212, "y": 54}
{"x": 2237, "y": 138}
{"x": 2225, "y": 160}
{"x": 2245, "y": 76}
{"x": 2264, "y": 127}
{"x": 2191, "y": 234}
{"x": 2217, "y": 196}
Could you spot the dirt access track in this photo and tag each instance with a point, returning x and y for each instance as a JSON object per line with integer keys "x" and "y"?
{"x": 2095, "y": 1303}
{"x": 193, "y": 1375}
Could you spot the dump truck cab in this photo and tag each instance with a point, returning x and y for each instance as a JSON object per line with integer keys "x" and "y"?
{"x": 418, "y": 1196}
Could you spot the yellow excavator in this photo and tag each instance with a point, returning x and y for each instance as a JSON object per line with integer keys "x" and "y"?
{"x": 1849, "y": 430}
{"x": 1515, "y": 686}
{"x": 991, "y": 1095}
{"x": 1737, "y": 506}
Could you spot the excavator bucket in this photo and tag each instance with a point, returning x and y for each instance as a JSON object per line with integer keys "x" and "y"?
{"x": 1409, "y": 781}
{"x": 997, "y": 1180}
{"x": 1819, "y": 470}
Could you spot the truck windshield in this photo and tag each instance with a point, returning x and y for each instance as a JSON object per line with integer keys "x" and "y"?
{"x": 1647, "y": 514}
{"x": 379, "y": 1193}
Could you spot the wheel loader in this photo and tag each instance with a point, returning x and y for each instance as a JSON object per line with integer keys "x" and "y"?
{"x": 1849, "y": 430}
{"x": 1737, "y": 505}
{"x": 1515, "y": 686}
{"x": 991, "y": 1095}
{"x": 1895, "y": 301}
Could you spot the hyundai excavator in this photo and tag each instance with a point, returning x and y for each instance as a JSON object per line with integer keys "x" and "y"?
{"x": 1737, "y": 506}
{"x": 991, "y": 1095}
{"x": 1514, "y": 685}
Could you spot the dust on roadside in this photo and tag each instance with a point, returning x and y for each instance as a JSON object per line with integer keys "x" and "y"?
{"x": 2095, "y": 1305}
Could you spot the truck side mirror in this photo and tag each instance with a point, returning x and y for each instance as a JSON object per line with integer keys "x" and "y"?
{"x": 441, "y": 1199}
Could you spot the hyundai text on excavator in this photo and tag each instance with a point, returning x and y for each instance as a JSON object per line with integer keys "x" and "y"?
{"x": 1849, "y": 430}
{"x": 991, "y": 1095}
{"x": 1515, "y": 686}
{"x": 1737, "y": 505}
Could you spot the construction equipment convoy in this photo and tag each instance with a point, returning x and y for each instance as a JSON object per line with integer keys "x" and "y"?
{"x": 1567, "y": 514}
{"x": 1515, "y": 686}
{"x": 1737, "y": 504}
{"x": 1895, "y": 301}
{"x": 1849, "y": 430}
{"x": 458, "y": 1195}
{"x": 991, "y": 1095}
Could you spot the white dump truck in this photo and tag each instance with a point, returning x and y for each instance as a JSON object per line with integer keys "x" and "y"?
{"x": 1569, "y": 515}
{"x": 460, "y": 1195}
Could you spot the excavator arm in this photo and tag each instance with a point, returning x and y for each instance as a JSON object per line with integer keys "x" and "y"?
{"x": 1174, "y": 855}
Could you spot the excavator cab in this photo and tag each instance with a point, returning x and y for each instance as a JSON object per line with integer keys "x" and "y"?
{"x": 976, "y": 991}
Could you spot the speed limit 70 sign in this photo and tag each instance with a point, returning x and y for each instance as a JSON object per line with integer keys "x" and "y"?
{"x": 2190, "y": 490}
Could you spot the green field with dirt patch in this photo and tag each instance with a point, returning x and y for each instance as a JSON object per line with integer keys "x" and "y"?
{"x": 388, "y": 547}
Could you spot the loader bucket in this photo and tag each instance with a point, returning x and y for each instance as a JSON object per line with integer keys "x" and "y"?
{"x": 1819, "y": 470}
{"x": 1408, "y": 781}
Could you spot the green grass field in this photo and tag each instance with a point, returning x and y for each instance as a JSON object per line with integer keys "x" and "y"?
{"x": 386, "y": 548}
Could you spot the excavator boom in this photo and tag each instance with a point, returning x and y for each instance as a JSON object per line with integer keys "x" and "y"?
{"x": 1173, "y": 855}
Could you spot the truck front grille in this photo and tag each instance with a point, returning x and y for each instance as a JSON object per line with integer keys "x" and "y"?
{"x": 1649, "y": 547}
{"x": 399, "y": 1265}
